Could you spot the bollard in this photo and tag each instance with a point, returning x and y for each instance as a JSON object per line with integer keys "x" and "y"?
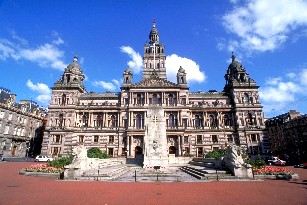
{"x": 134, "y": 175}
{"x": 98, "y": 175}
{"x": 157, "y": 177}
{"x": 217, "y": 176}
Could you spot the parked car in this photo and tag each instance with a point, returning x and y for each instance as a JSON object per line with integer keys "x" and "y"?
{"x": 42, "y": 158}
{"x": 276, "y": 161}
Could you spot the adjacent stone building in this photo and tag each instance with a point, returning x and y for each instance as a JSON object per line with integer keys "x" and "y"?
{"x": 196, "y": 122}
{"x": 19, "y": 124}
{"x": 288, "y": 136}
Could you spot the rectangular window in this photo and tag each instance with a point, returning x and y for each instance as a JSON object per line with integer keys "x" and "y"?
{"x": 81, "y": 138}
{"x": 186, "y": 140}
{"x": 214, "y": 139}
{"x": 111, "y": 139}
{"x": 57, "y": 138}
{"x": 253, "y": 137}
{"x": 185, "y": 123}
{"x": 96, "y": 138}
{"x": 229, "y": 138}
{"x": 199, "y": 139}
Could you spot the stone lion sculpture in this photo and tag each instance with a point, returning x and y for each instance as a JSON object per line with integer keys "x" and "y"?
{"x": 80, "y": 151}
{"x": 234, "y": 155}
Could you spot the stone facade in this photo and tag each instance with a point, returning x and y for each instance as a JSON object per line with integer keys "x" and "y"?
{"x": 195, "y": 122}
{"x": 288, "y": 136}
{"x": 20, "y": 124}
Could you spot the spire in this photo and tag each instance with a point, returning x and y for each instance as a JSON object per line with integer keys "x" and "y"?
{"x": 75, "y": 58}
{"x": 233, "y": 57}
{"x": 154, "y": 35}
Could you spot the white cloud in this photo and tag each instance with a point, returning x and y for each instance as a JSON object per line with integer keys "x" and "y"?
{"x": 42, "y": 89}
{"x": 262, "y": 25}
{"x": 173, "y": 63}
{"x": 105, "y": 85}
{"x": 303, "y": 77}
{"x": 136, "y": 63}
{"x": 116, "y": 82}
{"x": 58, "y": 41}
{"x": 291, "y": 75}
{"x": 280, "y": 94}
{"x": 45, "y": 55}
{"x": 20, "y": 39}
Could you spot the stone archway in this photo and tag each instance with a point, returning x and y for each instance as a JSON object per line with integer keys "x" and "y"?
{"x": 138, "y": 150}
{"x": 172, "y": 150}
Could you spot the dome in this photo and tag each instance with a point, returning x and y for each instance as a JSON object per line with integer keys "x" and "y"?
{"x": 128, "y": 70}
{"x": 181, "y": 70}
{"x": 235, "y": 65}
{"x": 74, "y": 66}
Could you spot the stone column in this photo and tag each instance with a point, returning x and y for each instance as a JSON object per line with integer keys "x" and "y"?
{"x": 129, "y": 145}
{"x": 179, "y": 145}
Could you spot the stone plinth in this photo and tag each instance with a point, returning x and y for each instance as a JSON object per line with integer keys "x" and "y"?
{"x": 155, "y": 141}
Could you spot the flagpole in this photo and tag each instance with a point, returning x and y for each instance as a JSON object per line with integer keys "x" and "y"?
{"x": 154, "y": 47}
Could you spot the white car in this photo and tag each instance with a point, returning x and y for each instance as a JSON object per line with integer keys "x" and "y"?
{"x": 42, "y": 158}
{"x": 276, "y": 161}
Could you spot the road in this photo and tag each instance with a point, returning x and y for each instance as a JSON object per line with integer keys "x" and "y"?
{"x": 18, "y": 189}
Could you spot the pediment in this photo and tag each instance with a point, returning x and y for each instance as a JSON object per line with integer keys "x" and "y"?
{"x": 155, "y": 82}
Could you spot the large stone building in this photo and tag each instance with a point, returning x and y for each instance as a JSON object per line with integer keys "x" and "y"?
{"x": 195, "y": 122}
{"x": 287, "y": 134}
{"x": 21, "y": 125}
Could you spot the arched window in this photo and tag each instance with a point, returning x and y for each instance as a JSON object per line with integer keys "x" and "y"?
{"x": 139, "y": 121}
{"x": 212, "y": 121}
{"x": 113, "y": 121}
{"x": 99, "y": 121}
{"x": 170, "y": 99}
{"x": 64, "y": 99}
{"x": 171, "y": 120}
{"x": 139, "y": 99}
{"x": 226, "y": 121}
{"x": 250, "y": 120}
{"x": 84, "y": 120}
{"x": 197, "y": 121}
{"x": 246, "y": 98}
{"x": 155, "y": 99}
{"x": 61, "y": 120}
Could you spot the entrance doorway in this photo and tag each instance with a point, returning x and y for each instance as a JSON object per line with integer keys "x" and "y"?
{"x": 13, "y": 151}
{"x": 138, "y": 150}
{"x": 200, "y": 152}
{"x": 172, "y": 150}
{"x": 110, "y": 152}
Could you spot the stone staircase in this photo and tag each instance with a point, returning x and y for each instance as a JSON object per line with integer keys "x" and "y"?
{"x": 206, "y": 173}
{"x": 105, "y": 173}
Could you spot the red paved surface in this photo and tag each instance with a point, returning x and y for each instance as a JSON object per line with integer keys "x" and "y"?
{"x": 29, "y": 190}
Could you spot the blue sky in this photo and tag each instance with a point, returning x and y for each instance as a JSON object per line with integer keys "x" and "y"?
{"x": 38, "y": 39}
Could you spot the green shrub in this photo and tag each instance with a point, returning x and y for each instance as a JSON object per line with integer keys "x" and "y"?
{"x": 219, "y": 153}
{"x": 95, "y": 152}
{"x": 255, "y": 163}
{"x": 61, "y": 162}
